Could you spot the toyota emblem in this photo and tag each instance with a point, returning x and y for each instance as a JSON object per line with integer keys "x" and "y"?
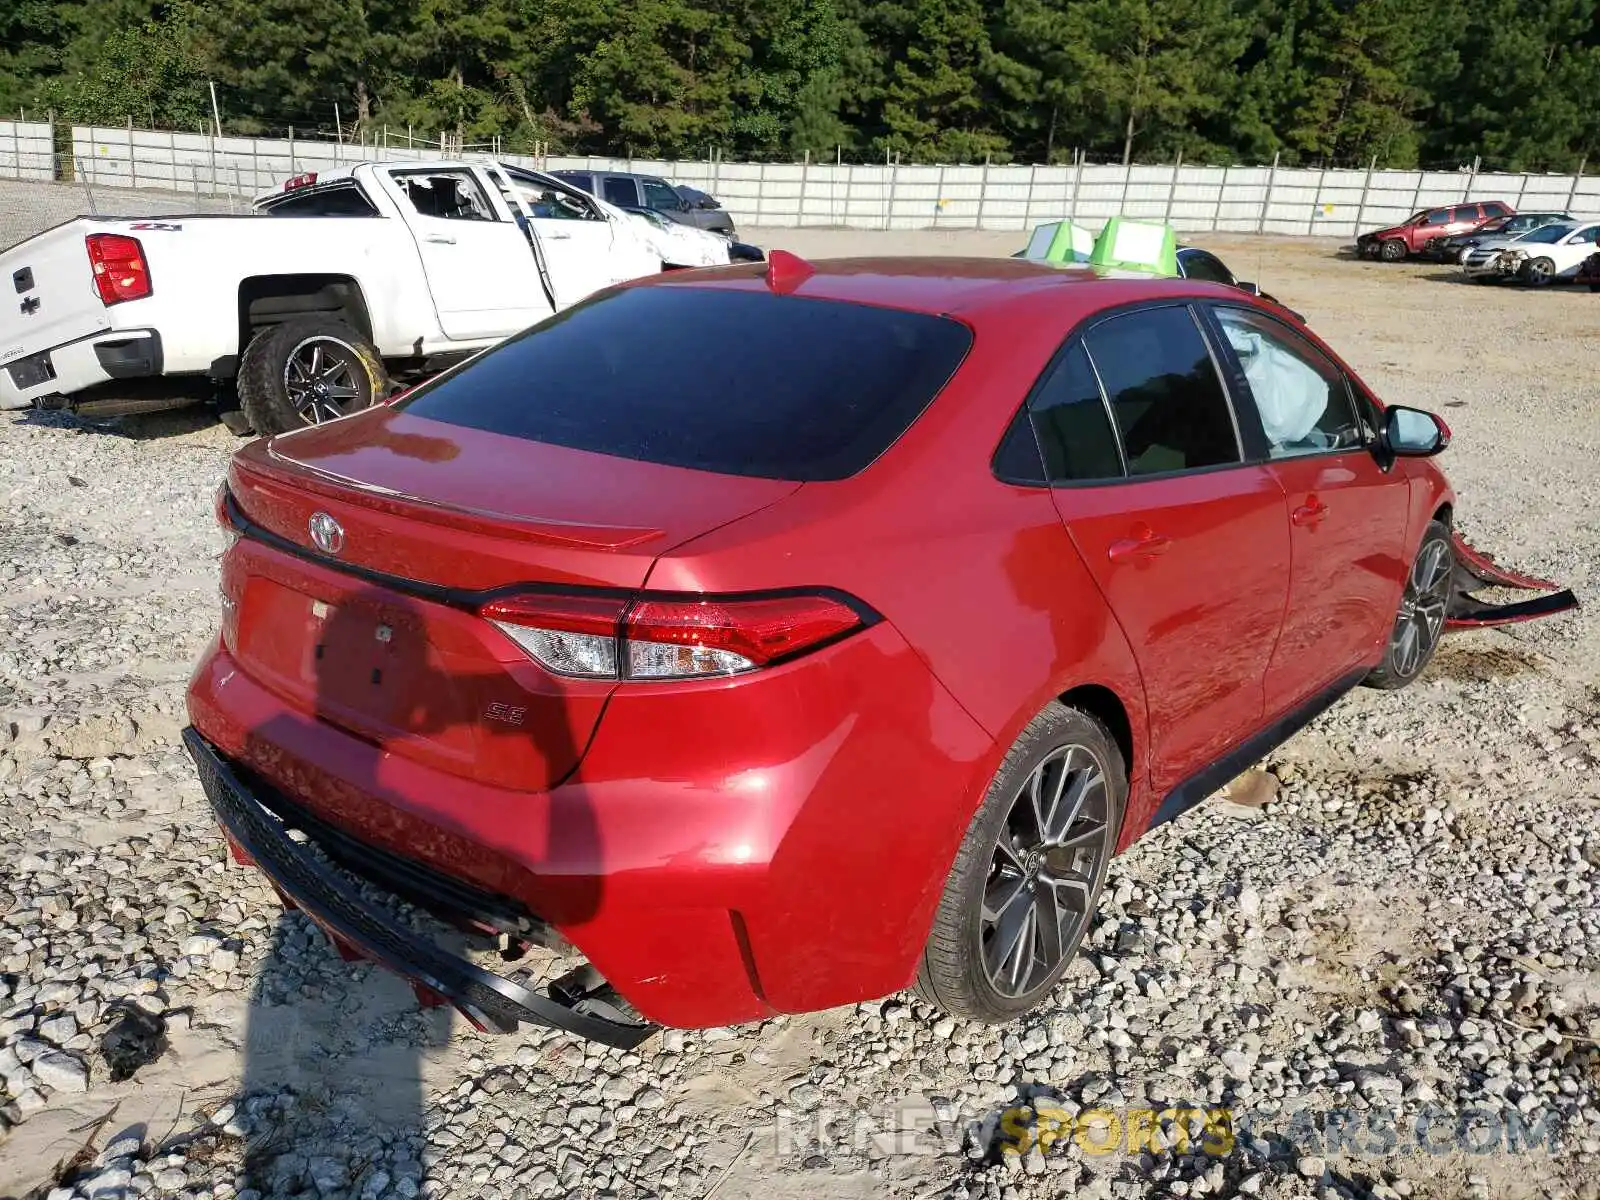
{"x": 326, "y": 533}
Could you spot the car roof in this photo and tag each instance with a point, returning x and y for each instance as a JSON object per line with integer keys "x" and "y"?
{"x": 965, "y": 286}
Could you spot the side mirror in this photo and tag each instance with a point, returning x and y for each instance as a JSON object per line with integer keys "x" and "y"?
{"x": 1413, "y": 433}
{"x": 1249, "y": 289}
{"x": 708, "y": 202}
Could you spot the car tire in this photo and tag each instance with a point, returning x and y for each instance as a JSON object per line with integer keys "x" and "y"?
{"x": 1392, "y": 251}
{"x": 992, "y": 964}
{"x": 1537, "y": 272}
{"x": 1424, "y": 604}
{"x": 283, "y": 365}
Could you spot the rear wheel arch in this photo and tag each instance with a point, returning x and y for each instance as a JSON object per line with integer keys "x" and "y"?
{"x": 267, "y": 300}
{"x": 1107, "y": 707}
{"x": 1445, "y": 515}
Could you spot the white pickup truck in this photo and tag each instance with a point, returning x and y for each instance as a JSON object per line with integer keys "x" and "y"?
{"x": 337, "y": 286}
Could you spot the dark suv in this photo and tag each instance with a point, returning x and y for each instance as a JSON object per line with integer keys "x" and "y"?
{"x": 626, "y": 190}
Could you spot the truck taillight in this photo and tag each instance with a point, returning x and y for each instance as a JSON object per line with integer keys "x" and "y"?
{"x": 671, "y": 637}
{"x": 120, "y": 271}
{"x": 300, "y": 181}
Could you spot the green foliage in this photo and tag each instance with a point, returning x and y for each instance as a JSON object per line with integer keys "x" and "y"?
{"x": 1327, "y": 82}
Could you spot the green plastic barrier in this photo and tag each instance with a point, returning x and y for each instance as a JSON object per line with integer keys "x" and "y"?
{"x": 1060, "y": 242}
{"x": 1137, "y": 246}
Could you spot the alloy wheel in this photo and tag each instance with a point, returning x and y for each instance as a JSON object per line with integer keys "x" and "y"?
{"x": 1044, "y": 872}
{"x": 322, "y": 378}
{"x": 1422, "y": 607}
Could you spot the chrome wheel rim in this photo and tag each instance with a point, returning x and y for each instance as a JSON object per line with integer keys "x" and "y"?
{"x": 1539, "y": 270}
{"x": 1422, "y": 607}
{"x": 322, "y": 378}
{"x": 1046, "y": 865}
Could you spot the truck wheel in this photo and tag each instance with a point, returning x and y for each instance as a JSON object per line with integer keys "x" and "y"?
{"x": 1022, "y": 891}
{"x": 1393, "y": 250}
{"x": 307, "y": 371}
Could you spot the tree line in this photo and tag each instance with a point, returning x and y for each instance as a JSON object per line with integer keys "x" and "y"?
{"x": 1316, "y": 82}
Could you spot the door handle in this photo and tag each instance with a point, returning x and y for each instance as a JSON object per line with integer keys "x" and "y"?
{"x": 1309, "y": 513}
{"x": 440, "y": 239}
{"x": 557, "y": 236}
{"x": 1145, "y": 543}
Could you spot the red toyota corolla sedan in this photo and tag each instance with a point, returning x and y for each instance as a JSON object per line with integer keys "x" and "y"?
{"x": 831, "y": 656}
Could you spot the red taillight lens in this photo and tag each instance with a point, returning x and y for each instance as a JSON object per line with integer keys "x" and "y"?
{"x": 120, "y": 271}
{"x": 295, "y": 182}
{"x": 677, "y": 639}
{"x": 570, "y": 635}
{"x": 604, "y": 637}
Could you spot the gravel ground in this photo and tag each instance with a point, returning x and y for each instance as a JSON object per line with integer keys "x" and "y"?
{"x": 1389, "y": 975}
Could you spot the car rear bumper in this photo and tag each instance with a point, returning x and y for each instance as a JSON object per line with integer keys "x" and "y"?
{"x": 723, "y": 853}
{"x": 259, "y": 835}
{"x": 75, "y": 366}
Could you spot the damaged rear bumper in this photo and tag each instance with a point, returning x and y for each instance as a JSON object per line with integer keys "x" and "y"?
{"x": 257, "y": 825}
{"x": 1475, "y": 570}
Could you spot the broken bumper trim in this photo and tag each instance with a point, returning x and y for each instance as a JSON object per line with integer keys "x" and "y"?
{"x": 487, "y": 1000}
{"x": 1476, "y": 569}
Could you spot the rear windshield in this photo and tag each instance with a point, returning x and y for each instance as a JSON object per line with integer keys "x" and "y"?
{"x": 737, "y": 382}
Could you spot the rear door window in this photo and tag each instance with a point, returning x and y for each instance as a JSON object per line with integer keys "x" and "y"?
{"x": 446, "y": 195}
{"x": 1071, "y": 422}
{"x": 1167, "y": 399}
{"x": 790, "y": 387}
{"x": 621, "y": 192}
{"x": 1463, "y": 214}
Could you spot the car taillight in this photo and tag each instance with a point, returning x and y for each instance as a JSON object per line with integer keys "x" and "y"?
{"x": 670, "y": 637}
{"x": 120, "y": 271}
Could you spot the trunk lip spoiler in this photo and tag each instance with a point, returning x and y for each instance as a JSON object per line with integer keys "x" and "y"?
{"x": 487, "y": 1000}
{"x": 1474, "y": 569}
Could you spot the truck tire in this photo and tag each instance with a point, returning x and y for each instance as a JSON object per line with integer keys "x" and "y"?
{"x": 307, "y": 371}
{"x": 1393, "y": 250}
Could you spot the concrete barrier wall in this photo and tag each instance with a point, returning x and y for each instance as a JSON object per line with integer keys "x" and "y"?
{"x": 25, "y": 151}
{"x": 785, "y": 195}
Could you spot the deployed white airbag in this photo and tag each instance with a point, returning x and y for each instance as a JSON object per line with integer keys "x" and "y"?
{"x": 1290, "y": 395}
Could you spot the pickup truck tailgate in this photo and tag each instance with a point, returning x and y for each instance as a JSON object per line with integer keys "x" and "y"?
{"x": 47, "y": 293}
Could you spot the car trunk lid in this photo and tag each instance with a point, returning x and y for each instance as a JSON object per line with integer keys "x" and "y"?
{"x": 376, "y": 631}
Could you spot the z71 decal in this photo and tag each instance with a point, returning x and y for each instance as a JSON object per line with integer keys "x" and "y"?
{"x": 156, "y": 227}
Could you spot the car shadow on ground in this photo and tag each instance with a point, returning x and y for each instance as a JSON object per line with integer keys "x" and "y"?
{"x": 171, "y": 422}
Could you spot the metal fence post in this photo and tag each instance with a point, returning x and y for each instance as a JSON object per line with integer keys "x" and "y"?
{"x": 938, "y": 200}
{"x": 1266, "y": 204}
{"x": 1366, "y": 186}
{"x": 1077, "y": 170}
{"x": 1172, "y": 188}
{"x": 1472, "y": 176}
{"x": 1572, "y": 192}
{"x": 893, "y": 171}
{"x": 1027, "y": 210}
{"x": 1416, "y": 196}
{"x": 849, "y": 182}
{"x": 292, "y": 171}
{"x": 1222, "y": 195}
{"x": 983, "y": 192}
{"x": 1127, "y": 178}
{"x": 805, "y": 179}
{"x": 1316, "y": 201}
{"x": 1522, "y": 186}
{"x": 761, "y": 186}
{"x": 133, "y": 159}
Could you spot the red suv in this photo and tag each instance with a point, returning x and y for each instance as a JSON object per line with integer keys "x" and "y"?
{"x": 1431, "y": 224}
{"x": 789, "y": 675}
